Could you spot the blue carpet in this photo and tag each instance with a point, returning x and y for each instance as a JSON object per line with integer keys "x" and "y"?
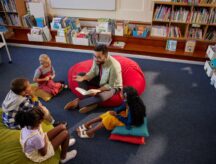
{"x": 181, "y": 110}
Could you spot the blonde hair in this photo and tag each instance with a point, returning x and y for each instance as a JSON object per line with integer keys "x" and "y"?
{"x": 45, "y": 58}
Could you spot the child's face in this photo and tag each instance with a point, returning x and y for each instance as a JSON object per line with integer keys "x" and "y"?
{"x": 44, "y": 64}
{"x": 27, "y": 91}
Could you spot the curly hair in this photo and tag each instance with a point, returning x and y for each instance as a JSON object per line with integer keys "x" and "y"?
{"x": 29, "y": 118}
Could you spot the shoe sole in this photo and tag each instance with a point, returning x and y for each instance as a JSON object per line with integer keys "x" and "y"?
{"x": 88, "y": 108}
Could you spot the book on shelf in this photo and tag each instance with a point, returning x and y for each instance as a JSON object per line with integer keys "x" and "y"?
{"x": 119, "y": 44}
{"x": 211, "y": 35}
{"x": 86, "y": 92}
{"x": 29, "y": 21}
{"x": 171, "y": 45}
{"x": 159, "y": 31}
{"x": 9, "y": 5}
{"x": 190, "y": 46}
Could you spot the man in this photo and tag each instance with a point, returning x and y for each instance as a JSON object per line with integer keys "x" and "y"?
{"x": 105, "y": 74}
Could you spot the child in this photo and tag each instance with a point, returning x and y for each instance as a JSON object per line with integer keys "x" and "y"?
{"x": 20, "y": 98}
{"x": 39, "y": 146}
{"x": 130, "y": 113}
{"x": 44, "y": 76}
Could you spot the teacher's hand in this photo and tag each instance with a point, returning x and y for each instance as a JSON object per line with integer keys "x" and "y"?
{"x": 78, "y": 78}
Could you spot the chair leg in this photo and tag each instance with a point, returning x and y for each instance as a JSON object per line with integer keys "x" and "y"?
{"x": 8, "y": 53}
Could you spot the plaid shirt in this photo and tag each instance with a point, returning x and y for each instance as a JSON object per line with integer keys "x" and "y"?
{"x": 9, "y": 117}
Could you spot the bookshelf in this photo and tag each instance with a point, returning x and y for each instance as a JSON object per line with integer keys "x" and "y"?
{"x": 183, "y": 21}
{"x": 11, "y": 12}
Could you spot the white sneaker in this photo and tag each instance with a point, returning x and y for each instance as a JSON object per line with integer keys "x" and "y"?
{"x": 72, "y": 141}
{"x": 70, "y": 155}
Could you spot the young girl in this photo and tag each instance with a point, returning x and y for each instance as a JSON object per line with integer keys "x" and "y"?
{"x": 39, "y": 146}
{"x": 130, "y": 113}
{"x": 44, "y": 76}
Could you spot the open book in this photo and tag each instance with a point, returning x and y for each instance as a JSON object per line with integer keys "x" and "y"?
{"x": 85, "y": 92}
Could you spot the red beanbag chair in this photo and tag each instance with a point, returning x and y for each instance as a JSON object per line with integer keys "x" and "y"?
{"x": 129, "y": 139}
{"x": 132, "y": 75}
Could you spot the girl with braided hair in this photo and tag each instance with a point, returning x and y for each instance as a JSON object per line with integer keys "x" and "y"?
{"x": 130, "y": 113}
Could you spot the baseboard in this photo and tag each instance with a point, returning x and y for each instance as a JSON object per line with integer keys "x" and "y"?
{"x": 111, "y": 53}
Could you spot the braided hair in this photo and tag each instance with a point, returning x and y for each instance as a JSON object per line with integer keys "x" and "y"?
{"x": 136, "y": 105}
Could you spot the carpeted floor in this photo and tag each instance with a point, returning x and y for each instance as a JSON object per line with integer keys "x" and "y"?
{"x": 181, "y": 110}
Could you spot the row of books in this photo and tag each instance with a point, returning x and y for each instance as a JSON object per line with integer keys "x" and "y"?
{"x": 212, "y": 17}
{"x": 180, "y": 15}
{"x": 200, "y": 16}
{"x": 195, "y": 33}
{"x": 208, "y": 1}
{"x": 211, "y": 35}
{"x": 195, "y": 2}
{"x": 159, "y": 31}
{"x": 39, "y": 34}
{"x": 174, "y": 32}
{"x": 63, "y": 22}
{"x": 9, "y": 5}
{"x": 13, "y": 19}
{"x": 86, "y": 36}
{"x": 162, "y": 13}
{"x": 2, "y": 20}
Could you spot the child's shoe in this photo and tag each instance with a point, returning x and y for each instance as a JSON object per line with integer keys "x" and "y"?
{"x": 70, "y": 155}
{"x": 72, "y": 141}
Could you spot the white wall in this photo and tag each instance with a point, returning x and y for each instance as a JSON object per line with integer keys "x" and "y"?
{"x": 136, "y": 10}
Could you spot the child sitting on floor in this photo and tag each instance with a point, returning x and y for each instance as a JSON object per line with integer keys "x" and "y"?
{"x": 39, "y": 146}
{"x": 20, "y": 98}
{"x": 44, "y": 76}
{"x": 130, "y": 113}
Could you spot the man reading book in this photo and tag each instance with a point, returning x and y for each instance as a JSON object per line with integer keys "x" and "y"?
{"x": 105, "y": 76}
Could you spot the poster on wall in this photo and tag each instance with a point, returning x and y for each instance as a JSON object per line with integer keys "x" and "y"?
{"x": 84, "y": 4}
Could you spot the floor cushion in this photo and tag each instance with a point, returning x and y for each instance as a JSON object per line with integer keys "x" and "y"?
{"x": 128, "y": 139}
{"x": 134, "y": 131}
{"x": 131, "y": 73}
{"x": 40, "y": 93}
{"x": 10, "y": 148}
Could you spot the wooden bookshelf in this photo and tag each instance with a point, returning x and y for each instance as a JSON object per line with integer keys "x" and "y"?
{"x": 12, "y": 12}
{"x": 192, "y": 20}
{"x": 151, "y": 46}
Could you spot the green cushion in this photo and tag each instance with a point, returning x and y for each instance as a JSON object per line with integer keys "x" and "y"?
{"x": 134, "y": 131}
{"x": 10, "y": 148}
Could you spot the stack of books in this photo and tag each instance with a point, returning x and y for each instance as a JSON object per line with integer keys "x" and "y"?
{"x": 39, "y": 34}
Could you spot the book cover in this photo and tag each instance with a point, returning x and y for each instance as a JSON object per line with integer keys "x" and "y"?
{"x": 83, "y": 91}
{"x": 190, "y": 46}
{"x": 171, "y": 45}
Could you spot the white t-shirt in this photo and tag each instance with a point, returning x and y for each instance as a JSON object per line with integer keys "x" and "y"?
{"x": 34, "y": 143}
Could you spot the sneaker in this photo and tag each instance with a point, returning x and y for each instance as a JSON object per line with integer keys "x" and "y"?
{"x": 70, "y": 155}
{"x": 72, "y": 141}
{"x": 56, "y": 123}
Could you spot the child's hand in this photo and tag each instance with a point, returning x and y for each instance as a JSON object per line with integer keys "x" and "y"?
{"x": 47, "y": 78}
{"x": 113, "y": 113}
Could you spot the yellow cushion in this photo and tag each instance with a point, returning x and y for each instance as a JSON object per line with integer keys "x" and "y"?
{"x": 41, "y": 93}
{"x": 10, "y": 148}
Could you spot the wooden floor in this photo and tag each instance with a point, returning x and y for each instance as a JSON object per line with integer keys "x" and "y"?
{"x": 139, "y": 46}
